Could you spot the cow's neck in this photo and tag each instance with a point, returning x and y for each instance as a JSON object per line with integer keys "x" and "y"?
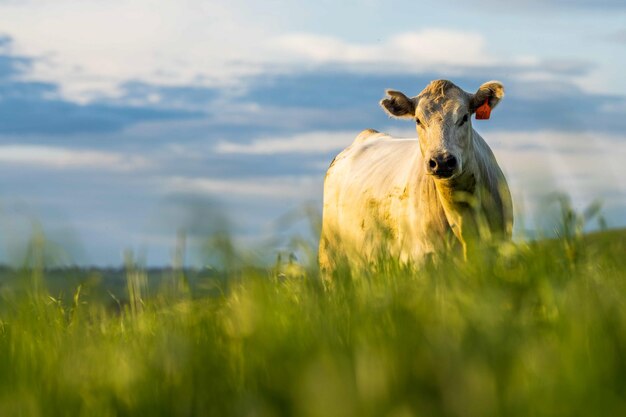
{"x": 460, "y": 200}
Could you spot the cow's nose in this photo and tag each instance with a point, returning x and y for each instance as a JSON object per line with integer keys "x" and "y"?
{"x": 442, "y": 165}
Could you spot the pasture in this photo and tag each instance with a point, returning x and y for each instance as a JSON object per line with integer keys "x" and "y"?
{"x": 536, "y": 329}
{"x": 278, "y": 262}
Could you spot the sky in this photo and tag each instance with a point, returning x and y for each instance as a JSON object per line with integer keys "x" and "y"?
{"x": 124, "y": 123}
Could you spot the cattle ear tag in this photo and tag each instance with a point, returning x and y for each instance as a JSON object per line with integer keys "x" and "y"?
{"x": 484, "y": 111}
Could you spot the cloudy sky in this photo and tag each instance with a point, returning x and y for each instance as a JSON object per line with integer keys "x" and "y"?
{"x": 123, "y": 121}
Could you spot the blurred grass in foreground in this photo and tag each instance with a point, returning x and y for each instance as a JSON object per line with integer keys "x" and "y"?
{"x": 535, "y": 329}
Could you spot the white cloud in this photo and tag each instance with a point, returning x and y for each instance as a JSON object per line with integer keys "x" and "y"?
{"x": 65, "y": 158}
{"x": 414, "y": 50}
{"x": 279, "y": 188}
{"x": 91, "y": 47}
{"x": 310, "y": 142}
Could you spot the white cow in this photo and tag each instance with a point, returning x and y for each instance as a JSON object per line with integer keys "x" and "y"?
{"x": 408, "y": 198}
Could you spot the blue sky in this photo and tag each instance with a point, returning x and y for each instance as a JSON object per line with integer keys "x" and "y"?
{"x": 122, "y": 122}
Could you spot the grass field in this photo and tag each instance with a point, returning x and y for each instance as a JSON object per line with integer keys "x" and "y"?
{"x": 534, "y": 330}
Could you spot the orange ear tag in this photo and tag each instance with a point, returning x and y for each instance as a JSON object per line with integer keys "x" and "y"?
{"x": 484, "y": 111}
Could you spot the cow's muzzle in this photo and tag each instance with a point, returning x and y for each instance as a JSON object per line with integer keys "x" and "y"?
{"x": 442, "y": 165}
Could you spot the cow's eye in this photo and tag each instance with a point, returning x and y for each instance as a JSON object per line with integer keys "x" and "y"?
{"x": 465, "y": 119}
{"x": 418, "y": 121}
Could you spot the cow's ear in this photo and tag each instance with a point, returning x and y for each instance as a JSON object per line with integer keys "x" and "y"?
{"x": 398, "y": 105}
{"x": 490, "y": 93}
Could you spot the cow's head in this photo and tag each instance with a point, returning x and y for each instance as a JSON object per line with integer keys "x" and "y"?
{"x": 443, "y": 113}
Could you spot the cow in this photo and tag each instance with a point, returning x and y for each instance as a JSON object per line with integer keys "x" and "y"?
{"x": 414, "y": 199}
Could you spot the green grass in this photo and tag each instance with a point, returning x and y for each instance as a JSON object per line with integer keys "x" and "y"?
{"x": 537, "y": 329}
